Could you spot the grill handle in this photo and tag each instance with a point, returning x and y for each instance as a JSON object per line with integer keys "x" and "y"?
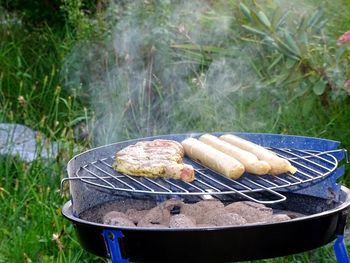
{"x": 280, "y": 197}
{"x": 62, "y": 184}
{"x": 64, "y": 180}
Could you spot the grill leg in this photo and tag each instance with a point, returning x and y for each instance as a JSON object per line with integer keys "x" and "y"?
{"x": 340, "y": 250}
{"x": 112, "y": 240}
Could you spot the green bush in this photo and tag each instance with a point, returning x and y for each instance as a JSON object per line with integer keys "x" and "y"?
{"x": 179, "y": 66}
{"x": 39, "y": 12}
{"x": 77, "y": 69}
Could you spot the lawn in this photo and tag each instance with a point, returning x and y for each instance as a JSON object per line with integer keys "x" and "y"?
{"x": 85, "y": 74}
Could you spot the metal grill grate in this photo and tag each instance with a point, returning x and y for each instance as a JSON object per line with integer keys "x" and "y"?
{"x": 311, "y": 165}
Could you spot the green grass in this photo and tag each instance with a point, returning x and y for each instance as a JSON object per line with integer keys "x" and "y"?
{"x": 29, "y": 82}
{"x": 32, "y": 228}
{"x": 32, "y": 93}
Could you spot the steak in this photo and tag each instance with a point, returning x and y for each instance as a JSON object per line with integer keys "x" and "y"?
{"x": 157, "y": 158}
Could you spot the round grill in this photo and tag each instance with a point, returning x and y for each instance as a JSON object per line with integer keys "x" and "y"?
{"x": 312, "y": 166}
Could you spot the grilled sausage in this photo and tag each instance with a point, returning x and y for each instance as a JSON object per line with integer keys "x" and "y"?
{"x": 251, "y": 163}
{"x": 212, "y": 158}
{"x": 278, "y": 164}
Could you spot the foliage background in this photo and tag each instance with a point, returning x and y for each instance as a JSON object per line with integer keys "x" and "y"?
{"x": 73, "y": 69}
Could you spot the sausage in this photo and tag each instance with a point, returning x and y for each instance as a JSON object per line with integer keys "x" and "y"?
{"x": 278, "y": 164}
{"x": 251, "y": 163}
{"x": 212, "y": 158}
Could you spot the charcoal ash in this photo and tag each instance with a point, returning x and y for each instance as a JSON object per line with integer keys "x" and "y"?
{"x": 136, "y": 215}
{"x": 225, "y": 219}
{"x": 115, "y": 218}
{"x": 113, "y": 214}
{"x": 157, "y": 215}
{"x": 250, "y": 211}
{"x": 207, "y": 217}
{"x": 198, "y": 210}
{"x": 160, "y": 214}
{"x": 96, "y": 213}
{"x": 290, "y": 214}
{"x": 175, "y": 213}
{"x": 278, "y": 218}
{"x": 181, "y": 221}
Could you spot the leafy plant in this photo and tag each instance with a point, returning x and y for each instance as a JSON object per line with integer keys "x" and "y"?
{"x": 53, "y": 12}
{"x": 150, "y": 67}
{"x": 299, "y": 46}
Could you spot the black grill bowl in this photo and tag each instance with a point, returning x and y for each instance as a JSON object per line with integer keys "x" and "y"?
{"x": 323, "y": 222}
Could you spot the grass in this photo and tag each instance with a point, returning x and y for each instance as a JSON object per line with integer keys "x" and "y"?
{"x": 32, "y": 228}
{"x": 32, "y": 93}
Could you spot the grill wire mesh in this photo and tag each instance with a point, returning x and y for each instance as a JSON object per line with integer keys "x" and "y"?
{"x": 311, "y": 165}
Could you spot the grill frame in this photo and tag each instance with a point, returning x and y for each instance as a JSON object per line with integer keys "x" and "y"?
{"x": 90, "y": 173}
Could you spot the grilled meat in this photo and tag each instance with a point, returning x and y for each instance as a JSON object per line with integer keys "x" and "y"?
{"x": 158, "y": 158}
{"x": 278, "y": 165}
{"x": 213, "y": 158}
{"x": 251, "y": 163}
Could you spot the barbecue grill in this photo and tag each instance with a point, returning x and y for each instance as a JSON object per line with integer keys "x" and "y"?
{"x": 313, "y": 191}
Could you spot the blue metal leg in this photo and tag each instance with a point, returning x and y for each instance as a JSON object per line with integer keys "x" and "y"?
{"x": 111, "y": 238}
{"x": 340, "y": 250}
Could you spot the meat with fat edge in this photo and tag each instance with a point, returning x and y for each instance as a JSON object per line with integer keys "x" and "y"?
{"x": 157, "y": 158}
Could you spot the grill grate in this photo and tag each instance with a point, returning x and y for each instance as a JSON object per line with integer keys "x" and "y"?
{"x": 311, "y": 165}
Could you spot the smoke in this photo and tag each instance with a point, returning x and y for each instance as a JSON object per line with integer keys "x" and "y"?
{"x": 152, "y": 76}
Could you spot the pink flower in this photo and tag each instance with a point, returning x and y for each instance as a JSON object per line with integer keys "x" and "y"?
{"x": 344, "y": 38}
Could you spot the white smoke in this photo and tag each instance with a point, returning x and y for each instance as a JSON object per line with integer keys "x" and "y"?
{"x": 150, "y": 78}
